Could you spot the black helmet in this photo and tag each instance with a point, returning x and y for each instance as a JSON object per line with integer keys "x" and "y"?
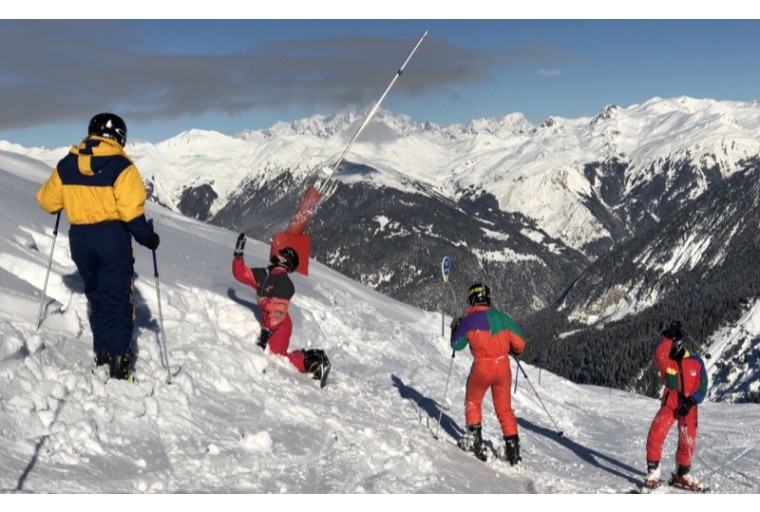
{"x": 286, "y": 257}
{"x": 674, "y": 331}
{"x": 479, "y": 294}
{"x": 110, "y": 126}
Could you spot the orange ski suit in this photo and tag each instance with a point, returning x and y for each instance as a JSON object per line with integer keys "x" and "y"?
{"x": 492, "y": 336}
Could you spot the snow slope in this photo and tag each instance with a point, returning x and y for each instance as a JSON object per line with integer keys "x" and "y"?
{"x": 237, "y": 420}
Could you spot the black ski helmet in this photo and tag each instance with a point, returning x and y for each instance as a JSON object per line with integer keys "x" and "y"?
{"x": 110, "y": 126}
{"x": 289, "y": 257}
{"x": 479, "y": 294}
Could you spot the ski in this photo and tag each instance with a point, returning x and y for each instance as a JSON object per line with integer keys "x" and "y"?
{"x": 101, "y": 372}
{"x": 174, "y": 370}
{"x": 647, "y": 488}
{"x": 317, "y": 366}
{"x": 324, "y": 372}
{"x": 501, "y": 454}
{"x": 702, "y": 489}
{"x": 663, "y": 486}
{"x": 487, "y": 455}
{"x": 490, "y": 459}
{"x": 482, "y": 456}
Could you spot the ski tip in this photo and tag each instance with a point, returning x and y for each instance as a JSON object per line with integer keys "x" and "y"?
{"x": 701, "y": 489}
{"x": 646, "y": 488}
{"x": 325, "y": 373}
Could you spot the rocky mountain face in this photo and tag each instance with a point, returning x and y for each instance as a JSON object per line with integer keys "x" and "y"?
{"x": 394, "y": 241}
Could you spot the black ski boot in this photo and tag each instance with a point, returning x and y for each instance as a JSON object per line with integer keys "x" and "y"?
{"x": 119, "y": 367}
{"x": 264, "y": 338}
{"x": 102, "y": 357}
{"x": 317, "y": 365}
{"x": 473, "y": 442}
{"x": 512, "y": 450}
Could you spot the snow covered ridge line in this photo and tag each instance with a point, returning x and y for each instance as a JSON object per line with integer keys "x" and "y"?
{"x": 643, "y": 134}
{"x": 665, "y": 151}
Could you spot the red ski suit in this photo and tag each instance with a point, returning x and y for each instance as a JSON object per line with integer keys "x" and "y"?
{"x": 689, "y": 378}
{"x": 274, "y": 289}
{"x": 492, "y": 336}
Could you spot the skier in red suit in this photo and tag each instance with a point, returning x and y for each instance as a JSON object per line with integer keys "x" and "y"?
{"x": 685, "y": 380}
{"x": 274, "y": 289}
{"x": 492, "y": 337}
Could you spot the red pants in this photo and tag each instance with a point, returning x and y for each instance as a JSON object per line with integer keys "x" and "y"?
{"x": 687, "y": 434}
{"x": 495, "y": 374}
{"x": 279, "y": 341}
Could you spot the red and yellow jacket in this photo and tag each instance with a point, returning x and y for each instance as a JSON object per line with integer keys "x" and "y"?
{"x": 688, "y": 376}
{"x": 97, "y": 182}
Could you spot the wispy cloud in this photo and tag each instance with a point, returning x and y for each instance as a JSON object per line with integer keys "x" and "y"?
{"x": 549, "y": 73}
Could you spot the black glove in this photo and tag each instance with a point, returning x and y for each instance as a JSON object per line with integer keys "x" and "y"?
{"x": 673, "y": 331}
{"x": 239, "y": 246}
{"x": 685, "y": 403}
{"x": 151, "y": 242}
{"x": 455, "y": 323}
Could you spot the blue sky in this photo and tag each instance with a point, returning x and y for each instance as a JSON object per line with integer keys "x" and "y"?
{"x": 167, "y": 76}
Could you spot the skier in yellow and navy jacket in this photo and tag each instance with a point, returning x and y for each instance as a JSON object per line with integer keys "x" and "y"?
{"x": 103, "y": 195}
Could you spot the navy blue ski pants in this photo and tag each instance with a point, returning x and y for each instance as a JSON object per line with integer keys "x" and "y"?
{"x": 103, "y": 255}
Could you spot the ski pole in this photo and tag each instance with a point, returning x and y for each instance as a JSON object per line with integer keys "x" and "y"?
{"x": 308, "y": 206}
{"x": 445, "y": 393}
{"x": 451, "y": 364}
{"x": 559, "y": 432}
{"x": 684, "y": 431}
{"x": 371, "y": 113}
{"x": 164, "y": 352}
{"x": 517, "y": 375}
{"x": 47, "y": 275}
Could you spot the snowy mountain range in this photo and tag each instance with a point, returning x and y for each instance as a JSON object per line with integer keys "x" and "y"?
{"x": 235, "y": 420}
{"x": 557, "y": 174}
{"x": 535, "y": 210}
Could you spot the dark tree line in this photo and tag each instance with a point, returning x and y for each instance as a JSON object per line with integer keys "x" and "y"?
{"x": 706, "y": 296}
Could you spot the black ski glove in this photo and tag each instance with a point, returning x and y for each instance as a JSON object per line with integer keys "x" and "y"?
{"x": 455, "y": 324}
{"x": 239, "y": 246}
{"x": 151, "y": 242}
{"x": 685, "y": 404}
